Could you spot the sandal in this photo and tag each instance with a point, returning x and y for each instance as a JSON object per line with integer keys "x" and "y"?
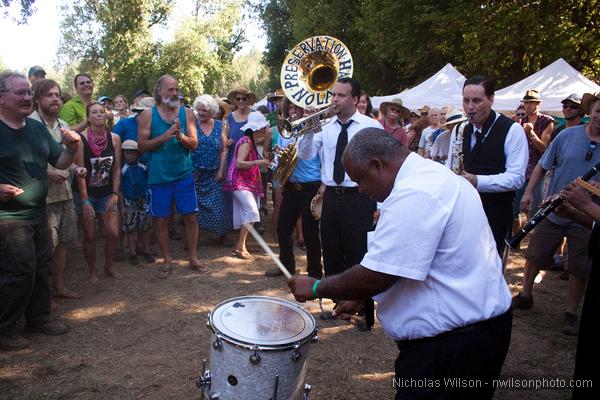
{"x": 201, "y": 269}
{"x": 243, "y": 255}
{"x": 164, "y": 271}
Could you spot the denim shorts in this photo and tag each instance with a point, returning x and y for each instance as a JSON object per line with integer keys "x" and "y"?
{"x": 99, "y": 203}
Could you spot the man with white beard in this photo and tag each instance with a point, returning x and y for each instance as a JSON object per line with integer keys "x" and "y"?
{"x": 167, "y": 132}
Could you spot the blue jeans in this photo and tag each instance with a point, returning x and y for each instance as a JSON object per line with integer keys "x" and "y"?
{"x": 25, "y": 272}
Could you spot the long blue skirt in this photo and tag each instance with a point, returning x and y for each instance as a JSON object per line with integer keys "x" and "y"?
{"x": 213, "y": 215}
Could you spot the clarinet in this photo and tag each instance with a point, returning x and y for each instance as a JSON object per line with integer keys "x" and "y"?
{"x": 542, "y": 213}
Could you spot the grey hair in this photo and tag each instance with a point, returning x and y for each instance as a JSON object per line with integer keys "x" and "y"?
{"x": 5, "y": 76}
{"x": 159, "y": 85}
{"x": 370, "y": 143}
{"x": 207, "y": 101}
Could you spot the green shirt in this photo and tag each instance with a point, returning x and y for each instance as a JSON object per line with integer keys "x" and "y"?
{"x": 24, "y": 157}
{"x": 73, "y": 111}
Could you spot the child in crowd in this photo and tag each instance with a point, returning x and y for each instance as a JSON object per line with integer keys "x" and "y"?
{"x": 134, "y": 209}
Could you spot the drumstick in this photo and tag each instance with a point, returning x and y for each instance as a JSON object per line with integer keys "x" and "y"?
{"x": 266, "y": 248}
{"x": 592, "y": 189}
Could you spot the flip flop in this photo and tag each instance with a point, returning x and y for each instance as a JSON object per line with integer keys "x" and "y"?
{"x": 164, "y": 271}
{"x": 201, "y": 269}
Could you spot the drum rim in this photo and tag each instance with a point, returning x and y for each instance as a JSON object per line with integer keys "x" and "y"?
{"x": 255, "y": 346}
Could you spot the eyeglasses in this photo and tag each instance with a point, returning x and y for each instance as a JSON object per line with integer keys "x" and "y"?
{"x": 243, "y": 98}
{"x": 521, "y": 115}
{"x": 423, "y": 114}
{"x": 571, "y": 106}
{"x": 590, "y": 151}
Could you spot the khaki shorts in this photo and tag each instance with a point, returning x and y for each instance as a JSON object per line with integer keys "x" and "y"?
{"x": 545, "y": 241}
{"x": 63, "y": 222}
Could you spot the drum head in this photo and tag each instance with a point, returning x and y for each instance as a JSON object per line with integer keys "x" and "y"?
{"x": 266, "y": 322}
{"x": 316, "y": 205}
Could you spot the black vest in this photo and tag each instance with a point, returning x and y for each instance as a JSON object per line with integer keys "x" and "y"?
{"x": 487, "y": 157}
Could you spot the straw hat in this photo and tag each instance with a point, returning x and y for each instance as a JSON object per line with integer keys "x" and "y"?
{"x": 532, "y": 95}
{"x": 144, "y": 104}
{"x": 278, "y": 94}
{"x": 397, "y": 102}
{"x": 244, "y": 91}
{"x": 587, "y": 100}
{"x": 454, "y": 117}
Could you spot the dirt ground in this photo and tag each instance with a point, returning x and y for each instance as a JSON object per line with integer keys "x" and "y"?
{"x": 144, "y": 338}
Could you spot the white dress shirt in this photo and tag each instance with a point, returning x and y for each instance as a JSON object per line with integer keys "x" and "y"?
{"x": 325, "y": 142}
{"x": 433, "y": 234}
{"x": 516, "y": 152}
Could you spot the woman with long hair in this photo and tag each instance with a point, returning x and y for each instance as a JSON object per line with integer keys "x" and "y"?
{"x": 121, "y": 108}
{"x": 97, "y": 193}
{"x": 243, "y": 180}
{"x": 364, "y": 105}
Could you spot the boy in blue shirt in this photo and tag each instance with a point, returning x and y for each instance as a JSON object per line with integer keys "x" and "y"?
{"x": 134, "y": 209}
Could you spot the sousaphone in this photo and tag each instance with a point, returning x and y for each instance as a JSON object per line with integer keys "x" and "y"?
{"x": 311, "y": 69}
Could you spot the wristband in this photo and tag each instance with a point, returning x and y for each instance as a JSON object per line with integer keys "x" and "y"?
{"x": 314, "y": 288}
{"x": 87, "y": 202}
{"x": 116, "y": 193}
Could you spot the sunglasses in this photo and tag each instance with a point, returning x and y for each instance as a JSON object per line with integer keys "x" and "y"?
{"x": 521, "y": 115}
{"x": 571, "y": 106}
{"x": 590, "y": 151}
{"x": 244, "y": 98}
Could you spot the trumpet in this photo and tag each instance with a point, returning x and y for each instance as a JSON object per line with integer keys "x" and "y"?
{"x": 310, "y": 124}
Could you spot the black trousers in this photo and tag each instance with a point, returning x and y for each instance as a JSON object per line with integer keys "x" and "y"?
{"x": 25, "y": 272}
{"x": 432, "y": 368}
{"x": 296, "y": 202}
{"x": 345, "y": 220}
{"x": 500, "y": 218}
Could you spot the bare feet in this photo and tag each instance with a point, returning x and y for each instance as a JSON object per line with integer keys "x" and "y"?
{"x": 164, "y": 271}
{"x": 94, "y": 278}
{"x": 112, "y": 273}
{"x": 66, "y": 294}
{"x": 243, "y": 254}
{"x": 53, "y": 305}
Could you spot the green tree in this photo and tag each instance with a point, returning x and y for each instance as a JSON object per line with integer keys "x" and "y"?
{"x": 398, "y": 43}
{"x": 26, "y": 9}
{"x": 111, "y": 39}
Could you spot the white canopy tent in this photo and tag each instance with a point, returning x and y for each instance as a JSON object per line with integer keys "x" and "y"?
{"x": 444, "y": 88}
{"x": 555, "y": 82}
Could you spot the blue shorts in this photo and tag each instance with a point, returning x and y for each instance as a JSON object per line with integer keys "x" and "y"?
{"x": 99, "y": 203}
{"x": 161, "y": 197}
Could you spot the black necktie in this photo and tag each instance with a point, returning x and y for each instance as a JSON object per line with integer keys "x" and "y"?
{"x": 338, "y": 169}
{"x": 478, "y": 137}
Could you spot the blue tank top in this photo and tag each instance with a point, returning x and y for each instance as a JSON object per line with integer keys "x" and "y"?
{"x": 235, "y": 131}
{"x": 172, "y": 161}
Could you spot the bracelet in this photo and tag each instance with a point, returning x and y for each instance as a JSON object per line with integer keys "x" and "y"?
{"x": 116, "y": 193}
{"x": 314, "y": 288}
{"x": 88, "y": 202}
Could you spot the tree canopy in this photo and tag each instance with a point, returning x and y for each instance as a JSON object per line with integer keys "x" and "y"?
{"x": 397, "y": 43}
{"x": 113, "y": 41}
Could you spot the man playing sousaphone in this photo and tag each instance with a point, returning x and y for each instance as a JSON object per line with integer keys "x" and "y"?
{"x": 301, "y": 187}
{"x": 347, "y": 214}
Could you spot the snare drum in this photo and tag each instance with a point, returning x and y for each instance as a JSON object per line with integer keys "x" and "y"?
{"x": 259, "y": 349}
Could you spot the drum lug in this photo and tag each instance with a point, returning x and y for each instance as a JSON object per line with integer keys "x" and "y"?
{"x": 296, "y": 353}
{"x": 255, "y": 358}
{"x": 208, "y": 321}
{"x": 307, "y": 389}
{"x": 218, "y": 343}
{"x": 203, "y": 382}
{"x": 315, "y": 338}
